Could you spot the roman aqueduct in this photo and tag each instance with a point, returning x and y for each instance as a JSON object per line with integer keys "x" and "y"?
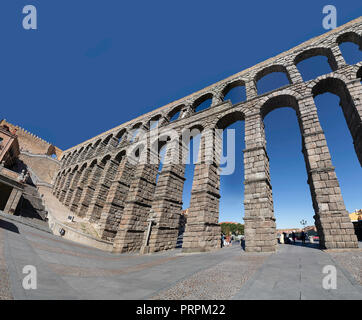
{"x": 100, "y": 182}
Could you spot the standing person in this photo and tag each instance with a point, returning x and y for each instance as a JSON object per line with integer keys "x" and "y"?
{"x": 285, "y": 238}
{"x": 222, "y": 240}
{"x": 293, "y": 237}
{"x": 281, "y": 238}
{"x": 303, "y": 237}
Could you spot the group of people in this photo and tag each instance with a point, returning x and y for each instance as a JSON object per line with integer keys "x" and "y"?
{"x": 287, "y": 240}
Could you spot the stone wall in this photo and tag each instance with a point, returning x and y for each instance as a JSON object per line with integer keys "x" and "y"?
{"x": 32, "y": 143}
{"x": 37, "y": 156}
{"x": 44, "y": 167}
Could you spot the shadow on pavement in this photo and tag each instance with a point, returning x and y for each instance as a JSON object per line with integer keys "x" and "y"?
{"x": 314, "y": 245}
{"x": 8, "y": 226}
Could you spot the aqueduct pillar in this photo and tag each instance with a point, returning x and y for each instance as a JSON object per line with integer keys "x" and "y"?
{"x": 115, "y": 201}
{"x": 260, "y": 227}
{"x": 167, "y": 201}
{"x": 137, "y": 205}
{"x": 331, "y": 217}
{"x": 203, "y": 232}
{"x": 101, "y": 190}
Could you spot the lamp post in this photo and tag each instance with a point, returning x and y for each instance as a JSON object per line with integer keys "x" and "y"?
{"x": 303, "y": 223}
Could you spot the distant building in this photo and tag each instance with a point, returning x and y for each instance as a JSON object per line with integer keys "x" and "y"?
{"x": 356, "y": 215}
{"x": 311, "y": 229}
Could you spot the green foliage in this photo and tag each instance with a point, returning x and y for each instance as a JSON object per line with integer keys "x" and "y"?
{"x": 232, "y": 228}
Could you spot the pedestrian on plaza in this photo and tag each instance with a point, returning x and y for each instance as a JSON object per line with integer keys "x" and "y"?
{"x": 303, "y": 237}
{"x": 285, "y": 238}
{"x": 222, "y": 240}
{"x": 293, "y": 237}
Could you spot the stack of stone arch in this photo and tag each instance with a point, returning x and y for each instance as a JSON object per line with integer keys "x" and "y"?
{"x": 105, "y": 183}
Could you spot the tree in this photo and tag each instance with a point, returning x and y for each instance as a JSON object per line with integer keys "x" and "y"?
{"x": 232, "y": 228}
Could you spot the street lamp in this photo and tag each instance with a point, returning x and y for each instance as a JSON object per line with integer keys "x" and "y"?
{"x": 303, "y": 223}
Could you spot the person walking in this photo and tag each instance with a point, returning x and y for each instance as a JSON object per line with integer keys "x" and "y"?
{"x": 222, "y": 240}
{"x": 303, "y": 237}
{"x": 293, "y": 237}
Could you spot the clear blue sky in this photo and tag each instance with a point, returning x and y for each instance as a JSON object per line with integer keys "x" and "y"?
{"x": 93, "y": 65}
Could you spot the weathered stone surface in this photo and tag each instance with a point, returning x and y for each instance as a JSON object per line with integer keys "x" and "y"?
{"x": 118, "y": 196}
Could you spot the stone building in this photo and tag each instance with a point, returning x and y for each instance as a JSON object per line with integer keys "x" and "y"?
{"x": 33, "y": 154}
{"x": 9, "y": 146}
{"x": 26, "y": 163}
{"x": 111, "y": 180}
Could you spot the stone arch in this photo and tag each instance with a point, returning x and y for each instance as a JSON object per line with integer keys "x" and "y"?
{"x": 232, "y": 85}
{"x": 160, "y": 142}
{"x": 350, "y": 36}
{"x": 359, "y": 73}
{"x": 93, "y": 176}
{"x": 70, "y": 185}
{"x": 337, "y": 85}
{"x": 96, "y": 147}
{"x": 228, "y": 119}
{"x": 103, "y": 179}
{"x": 134, "y": 132}
{"x": 174, "y": 111}
{"x": 202, "y": 99}
{"x": 135, "y": 152}
{"x": 318, "y": 51}
{"x": 71, "y": 158}
{"x": 154, "y": 118}
{"x": 78, "y": 155}
{"x": 86, "y": 152}
{"x": 120, "y": 155}
{"x": 106, "y": 158}
{"x": 74, "y": 200}
{"x": 57, "y": 181}
{"x": 52, "y": 152}
{"x": 65, "y": 184}
{"x": 319, "y": 168}
{"x": 121, "y": 134}
{"x": 136, "y": 125}
{"x": 83, "y": 166}
{"x": 279, "y": 93}
{"x": 61, "y": 182}
{"x": 93, "y": 163}
{"x": 107, "y": 141}
{"x": 189, "y": 132}
{"x": 278, "y": 101}
{"x": 271, "y": 69}
{"x": 97, "y": 143}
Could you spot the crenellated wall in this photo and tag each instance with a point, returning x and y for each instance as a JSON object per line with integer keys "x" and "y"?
{"x": 31, "y": 143}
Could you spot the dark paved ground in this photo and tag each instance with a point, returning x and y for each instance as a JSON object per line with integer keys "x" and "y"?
{"x": 66, "y": 270}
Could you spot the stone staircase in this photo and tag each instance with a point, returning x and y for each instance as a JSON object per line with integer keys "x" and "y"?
{"x": 31, "y": 205}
